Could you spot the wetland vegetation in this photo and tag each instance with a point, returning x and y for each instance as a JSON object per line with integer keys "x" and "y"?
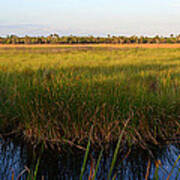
{"x": 59, "y": 96}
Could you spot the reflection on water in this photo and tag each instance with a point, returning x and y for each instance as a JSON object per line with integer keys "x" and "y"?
{"x": 14, "y": 158}
{"x": 11, "y": 160}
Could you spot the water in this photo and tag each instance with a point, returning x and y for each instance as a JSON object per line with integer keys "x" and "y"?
{"x": 15, "y": 157}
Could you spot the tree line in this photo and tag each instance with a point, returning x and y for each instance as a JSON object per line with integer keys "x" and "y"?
{"x": 56, "y": 39}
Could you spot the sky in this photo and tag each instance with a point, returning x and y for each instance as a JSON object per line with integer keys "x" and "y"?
{"x": 90, "y": 17}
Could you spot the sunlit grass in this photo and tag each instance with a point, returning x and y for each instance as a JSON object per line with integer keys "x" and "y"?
{"x": 55, "y": 94}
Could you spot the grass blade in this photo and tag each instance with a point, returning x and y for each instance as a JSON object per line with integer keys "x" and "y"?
{"x": 156, "y": 175}
{"x": 148, "y": 169}
{"x": 85, "y": 159}
{"x": 173, "y": 167}
{"x": 116, "y": 151}
{"x": 36, "y": 169}
{"x": 177, "y": 176}
{"x": 97, "y": 165}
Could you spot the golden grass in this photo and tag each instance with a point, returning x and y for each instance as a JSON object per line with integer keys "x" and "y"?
{"x": 54, "y": 96}
{"x": 91, "y": 45}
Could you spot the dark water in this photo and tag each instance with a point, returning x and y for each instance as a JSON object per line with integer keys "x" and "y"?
{"x": 53, "y": 165}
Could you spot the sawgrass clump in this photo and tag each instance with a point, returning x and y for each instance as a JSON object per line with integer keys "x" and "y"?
{"x": 55, "y": 95}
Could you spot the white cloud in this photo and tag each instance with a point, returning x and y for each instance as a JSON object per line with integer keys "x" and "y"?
{"x": 24, "y": 29}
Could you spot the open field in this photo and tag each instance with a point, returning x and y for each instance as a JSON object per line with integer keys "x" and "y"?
{"x": 91, "y": 45}
{"x": 57, "y": 94}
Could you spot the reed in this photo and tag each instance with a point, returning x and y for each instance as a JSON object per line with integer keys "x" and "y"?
{"x": 49, "y": 95}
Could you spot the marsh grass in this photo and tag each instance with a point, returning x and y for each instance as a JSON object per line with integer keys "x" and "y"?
{"x": 113, "y": 176}
{"x": 55, "y": 95}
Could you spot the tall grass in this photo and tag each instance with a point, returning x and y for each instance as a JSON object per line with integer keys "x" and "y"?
{"x": 51, "y": 94}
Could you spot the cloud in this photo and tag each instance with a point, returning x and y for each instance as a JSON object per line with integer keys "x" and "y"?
{"x": 25, "y": 29}
{"x": 36, "y": 30}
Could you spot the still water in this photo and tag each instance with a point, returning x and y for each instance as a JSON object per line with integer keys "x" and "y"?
{"x": 15, "y": 158}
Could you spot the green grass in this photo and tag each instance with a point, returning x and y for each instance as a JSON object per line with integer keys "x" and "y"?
{"x": 51, "y": 95}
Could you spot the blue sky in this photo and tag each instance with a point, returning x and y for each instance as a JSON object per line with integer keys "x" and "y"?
{"x": 90, "y": 17}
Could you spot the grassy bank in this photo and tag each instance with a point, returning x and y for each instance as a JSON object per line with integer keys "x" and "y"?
{"x": 55, "y": 95}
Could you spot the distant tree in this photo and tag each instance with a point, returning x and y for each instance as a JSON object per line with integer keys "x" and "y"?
{"x": 56, "y": 39}
{"x": 178, "y": 39}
